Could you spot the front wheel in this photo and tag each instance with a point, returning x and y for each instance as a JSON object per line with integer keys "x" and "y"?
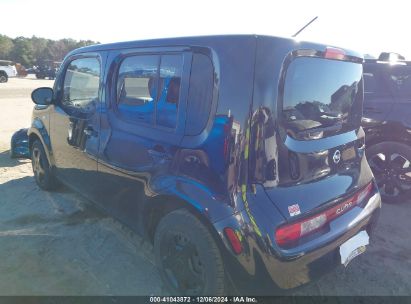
{"x": 3, "y": 77}
{"x": 187, "y": 256}
{"x": 41, "y": 168}
{"x": 391, "y": 165}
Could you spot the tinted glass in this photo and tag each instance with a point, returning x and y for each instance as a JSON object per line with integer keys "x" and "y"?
{"x": 320, "y": 93}
{"x": 400, "y": 81}
{"x": 376, "y": 82}
{"x": 200, "y": 94}
{"x": 81, "y": 86}
{"x": 137, "y": 88}
{"x": 170, "y": 82}
{"x": 370, "y": 83}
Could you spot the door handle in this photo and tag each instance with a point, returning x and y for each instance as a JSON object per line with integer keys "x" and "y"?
{"x": 89, "y": 131}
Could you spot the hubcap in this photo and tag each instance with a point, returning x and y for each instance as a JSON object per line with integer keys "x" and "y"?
{"x": 38, "y": 165}
{"x": 392, "y": 172}
{"x": 181, "y": 263}
{"x": 3, "y": 78}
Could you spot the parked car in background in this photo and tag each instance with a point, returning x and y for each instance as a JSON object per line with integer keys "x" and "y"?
{"x": 7, "y": 70}
{"x": 231, "y": 163}
{"x": 387, "y": 124}
{"x": 47, "y": 69}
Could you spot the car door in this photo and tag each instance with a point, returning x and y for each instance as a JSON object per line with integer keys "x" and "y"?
{"x": 75, "y": 122}
{"x": 142, "y": 126}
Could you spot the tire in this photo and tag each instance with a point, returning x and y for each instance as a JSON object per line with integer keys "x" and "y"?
{"x": 42, "y": 171}
{"x": 3, "y": 77}
{"x": 187, "y": 256}
{"x": 391, "y": 165}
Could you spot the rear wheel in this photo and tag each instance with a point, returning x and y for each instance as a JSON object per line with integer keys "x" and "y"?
{"x": 187, "y": 256}
{"x": 391, "y": 165}
{"x": 41, "y": 168}
{"x": 3, "y": 77}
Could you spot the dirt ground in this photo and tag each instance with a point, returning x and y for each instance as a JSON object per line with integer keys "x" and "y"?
{"x": 59, "y": 244}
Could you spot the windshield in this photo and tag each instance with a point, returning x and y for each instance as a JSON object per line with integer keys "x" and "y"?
{"x": 321, "y": 97}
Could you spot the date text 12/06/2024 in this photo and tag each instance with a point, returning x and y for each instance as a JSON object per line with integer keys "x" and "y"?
{"x": 199, "y": 299}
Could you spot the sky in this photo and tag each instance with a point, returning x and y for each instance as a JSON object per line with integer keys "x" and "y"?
{"x": 365, "y": 26}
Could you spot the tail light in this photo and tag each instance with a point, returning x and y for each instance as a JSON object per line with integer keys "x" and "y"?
{"x": 334, "y": 53}
{"x": 289, "y": 234}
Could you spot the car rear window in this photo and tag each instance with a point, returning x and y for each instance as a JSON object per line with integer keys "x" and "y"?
{"x": 321, "y": 97}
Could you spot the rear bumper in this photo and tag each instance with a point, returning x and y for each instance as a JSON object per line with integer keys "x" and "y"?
{"x": 262, "y": 267}
{"x": 312, "y": 265}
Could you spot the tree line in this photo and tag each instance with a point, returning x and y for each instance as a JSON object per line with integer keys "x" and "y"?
{"x": 34, "y": 50}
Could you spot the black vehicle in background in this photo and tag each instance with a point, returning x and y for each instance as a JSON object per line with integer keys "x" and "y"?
{"x": 387, "y": 123}
{"x": 47, "y": 69}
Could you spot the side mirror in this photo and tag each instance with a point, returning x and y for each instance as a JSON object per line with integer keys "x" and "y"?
{"x": 42, "y": 96}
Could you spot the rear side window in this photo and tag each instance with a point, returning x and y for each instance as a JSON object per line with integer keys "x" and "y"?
{"x": 384, "y": 80}
{"x": 148, "y": 89}
{"x": 81, "y": 86}
{"x": 200, "y": 94}
{"x": 321, "y": 94}
{"x": 137, "y": 88}
{"x": 400, "y": 80}
{"x": 376, "y": 82}
{"x": 370, "y": 83}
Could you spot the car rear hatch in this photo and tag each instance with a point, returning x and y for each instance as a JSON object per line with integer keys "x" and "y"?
{"x": 321, "y": 160}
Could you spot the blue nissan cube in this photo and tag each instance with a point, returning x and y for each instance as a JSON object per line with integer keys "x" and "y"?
{"x": 241, "y": 158}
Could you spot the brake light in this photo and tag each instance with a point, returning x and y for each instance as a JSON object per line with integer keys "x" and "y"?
{"x": 289, "y": 234}
{"x": 334, "y": 53}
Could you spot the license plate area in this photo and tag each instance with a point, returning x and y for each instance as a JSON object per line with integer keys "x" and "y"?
{"x": 354, "y": 247}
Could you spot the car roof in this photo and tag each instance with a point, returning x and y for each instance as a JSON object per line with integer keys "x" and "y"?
{"x": 195, "y": 40}
{"x": 390, "y": 63}
{"x": 176, "y": 41}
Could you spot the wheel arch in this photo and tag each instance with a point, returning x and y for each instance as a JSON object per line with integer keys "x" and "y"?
{"x": 384, "y": 133}
{"x": 37, "y": 131}
{"x": 159, "y": 206}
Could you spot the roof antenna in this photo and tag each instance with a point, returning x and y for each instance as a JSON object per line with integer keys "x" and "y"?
{"x": 305, "y": 26}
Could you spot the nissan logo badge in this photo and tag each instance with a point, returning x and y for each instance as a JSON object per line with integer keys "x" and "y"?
{"x": 337, "y": 156}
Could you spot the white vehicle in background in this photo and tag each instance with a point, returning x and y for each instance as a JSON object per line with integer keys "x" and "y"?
{"x": 7, "y": 69}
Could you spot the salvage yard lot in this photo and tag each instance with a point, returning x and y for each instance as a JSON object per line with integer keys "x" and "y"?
{"x": 59, "y": 244}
